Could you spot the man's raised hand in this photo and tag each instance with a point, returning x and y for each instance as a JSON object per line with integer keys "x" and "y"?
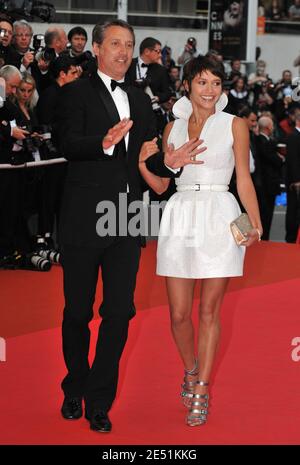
{"x": 116, "y": 133}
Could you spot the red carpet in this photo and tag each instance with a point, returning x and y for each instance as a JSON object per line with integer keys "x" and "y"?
{"x": 255, "y": 388}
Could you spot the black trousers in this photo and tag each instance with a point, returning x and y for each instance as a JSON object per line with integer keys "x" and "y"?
{"x": 292, "y": 220}
{"x": 266, "y": 206}
{"x": 52, "y": 185}
{"x": 9, "y": 210}
{"x": 119, "y": 265}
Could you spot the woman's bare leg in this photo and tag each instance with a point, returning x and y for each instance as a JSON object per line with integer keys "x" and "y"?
{"x": 211, "y": 297}
{"x": 180, "y": 295}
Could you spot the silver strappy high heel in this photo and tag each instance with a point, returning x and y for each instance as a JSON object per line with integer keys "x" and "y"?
{"x": 198, "y": 410}
{"x": 187, "y": 388}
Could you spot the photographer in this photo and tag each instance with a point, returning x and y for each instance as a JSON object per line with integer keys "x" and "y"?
{"x": 8, "y": 54}
{"x": 64, "y": 71}
{"x": 189, "y": 52}
{"x": 284, "y": 86}
{"x": 55, "y": 43}
{"x": 10, "y": 133}
{"x": 146, "y": 73}
{"x": 85, "y": 61}
{"x": 22, "y": 36}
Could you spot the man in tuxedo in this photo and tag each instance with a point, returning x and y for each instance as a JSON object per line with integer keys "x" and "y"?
{"x": 270, "y": 162}
{"x": 146, "y": 72}
{"x": 104, "y": 126}
{"x": 292, "y": 219}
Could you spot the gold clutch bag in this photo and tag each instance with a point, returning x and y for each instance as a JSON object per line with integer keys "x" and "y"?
{"x": 240, "y": 227}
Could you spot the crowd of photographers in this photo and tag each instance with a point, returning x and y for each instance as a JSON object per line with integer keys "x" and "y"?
{"x": 33, "y": 68}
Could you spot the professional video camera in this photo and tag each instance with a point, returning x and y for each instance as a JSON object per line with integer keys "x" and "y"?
{"x": 28, "y": 9}
{"x": 41, "y": 51}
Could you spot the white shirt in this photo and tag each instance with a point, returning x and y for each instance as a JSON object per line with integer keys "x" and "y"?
{"x": 141, "y": 71}
{"x": 120, "y": 99}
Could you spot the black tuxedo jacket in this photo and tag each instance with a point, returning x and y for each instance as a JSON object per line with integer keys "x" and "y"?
{"x": 86, "y": 112}
{"x": 159, "y": 79}
{"x": 270, "y": 165}
{"x": 8, "y": 113}
{"x": 293, "y": 158}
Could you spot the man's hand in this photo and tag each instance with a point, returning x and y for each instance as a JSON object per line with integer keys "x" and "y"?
{"x": 43, "y": 65}
{"x": 27, "y": 59}
{"x": 116, "y": 133}
{"x": 185, "y": 155}
{"x": 148, "y": 149}
{"x": 19, "y": 134}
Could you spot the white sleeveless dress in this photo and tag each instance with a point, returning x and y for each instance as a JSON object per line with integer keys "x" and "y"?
{"x": 195, "y": 240}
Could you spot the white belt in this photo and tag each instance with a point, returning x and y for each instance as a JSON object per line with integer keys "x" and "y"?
{"x": 202, "y": 187}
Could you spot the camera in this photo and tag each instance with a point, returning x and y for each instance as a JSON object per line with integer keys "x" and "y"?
{"x": 142, "y": 83}
{"x": 47, "y": 148}
{"x": 51, "y": 255}
{"x": 41, "y": 52}
{"x": 41, "y": 140}
{"x": 36, "y": 262}
{"x": 81, "y": 59}
{"x": 2, "y": 33}
{"x": 192, "y": 42}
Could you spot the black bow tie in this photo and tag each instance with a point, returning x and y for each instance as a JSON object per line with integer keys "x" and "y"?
{"x": 144, "y": 65}
{"x": 115, "y": 84}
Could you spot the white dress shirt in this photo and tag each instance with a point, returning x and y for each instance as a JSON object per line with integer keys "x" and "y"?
{"x": 120, "y": 99}
{"x": 141, "y": 71}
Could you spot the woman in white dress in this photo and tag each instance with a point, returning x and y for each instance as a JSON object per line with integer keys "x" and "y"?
{"x": 195, "y": 240}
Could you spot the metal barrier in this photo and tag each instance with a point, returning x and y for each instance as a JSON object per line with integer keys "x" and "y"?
{"x": 33, "y": 164}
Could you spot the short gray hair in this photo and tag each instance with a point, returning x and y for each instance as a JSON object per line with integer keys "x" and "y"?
{"x": 8, "y": 71}
{"x": 22, "y": 24}
{"x": 264, "y": 122}
{"x": 99, "y": 30}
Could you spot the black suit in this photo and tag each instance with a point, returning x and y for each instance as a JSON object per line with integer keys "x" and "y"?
{"x": 158, "y": 77}
{"x": 292, "y": 176}
{"x": 10, "y": 56}
{"x": 9, "y": 183}
{"x": 270, "y": 165}
{"x": 54, "y": 175}
{"x": 88, "y": 113}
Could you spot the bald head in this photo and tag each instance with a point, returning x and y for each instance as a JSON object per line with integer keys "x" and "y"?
{"x": 56, "y": 37}
{"x": 266, "y": 126}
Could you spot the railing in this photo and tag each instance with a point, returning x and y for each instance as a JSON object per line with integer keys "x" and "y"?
{"x": 199, "y": 20}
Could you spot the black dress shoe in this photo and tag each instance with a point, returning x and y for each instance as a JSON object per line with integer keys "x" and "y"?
{"x": 72, "y": 408}
{"x": 100, "y": 422}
